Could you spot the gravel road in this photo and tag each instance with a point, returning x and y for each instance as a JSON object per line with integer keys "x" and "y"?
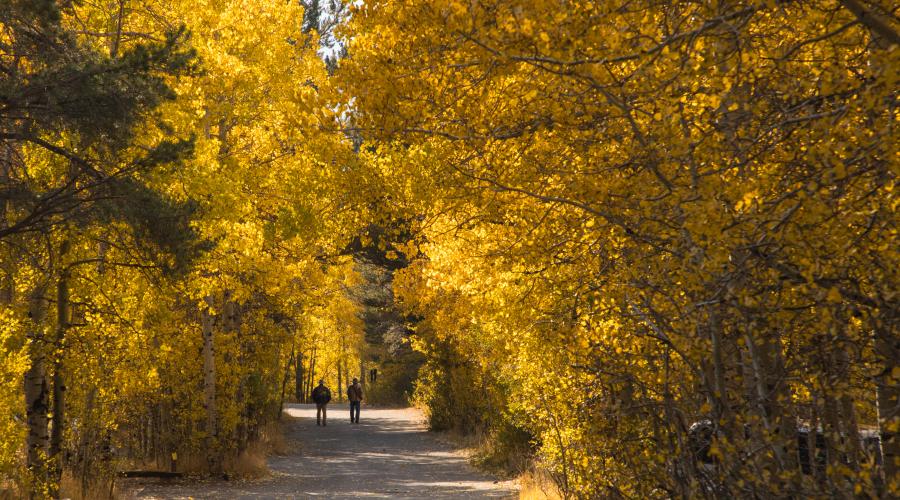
{"x": 389, "y": 454}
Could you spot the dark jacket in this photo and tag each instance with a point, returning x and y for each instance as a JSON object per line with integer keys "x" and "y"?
{"x": 321, "y": 395}
{"x": 354, "y": 393}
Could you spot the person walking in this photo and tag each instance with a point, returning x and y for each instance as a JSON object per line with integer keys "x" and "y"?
{"x": 321, "y": 395}
{"x": 355, "y": 395}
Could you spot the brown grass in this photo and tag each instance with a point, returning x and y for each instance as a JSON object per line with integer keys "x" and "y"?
{"x": 70, "y": 487}
{"x": 534, "y": 483}
{"x": 276, "y": 443}
{"x": 251, "y": 463}
{"x": 537, "y": 485}
{"x": 488, "y": 453}
{"x": 8, "y": 492}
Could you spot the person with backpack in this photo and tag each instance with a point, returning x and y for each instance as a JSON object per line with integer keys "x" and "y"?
{"x": 321, "y": 395}
{"x": 355, "y": 395}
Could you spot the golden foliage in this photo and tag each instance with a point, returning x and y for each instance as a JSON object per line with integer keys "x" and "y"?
{"x": 652, "y": 240}
{"x": 643, "y": 216}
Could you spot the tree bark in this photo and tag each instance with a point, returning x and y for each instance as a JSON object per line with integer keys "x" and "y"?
{"x": 284, "y": 383}
{"x": 781, "y": 409}
{"x": 299, "y": 377}
{"x": 311, "y": 375}
{"x": 758, "y": 356}
{"x": 340, "y": 382}
{"x": 718, "y": 359}
{"x": 347, "y": 375}
{"x": 59, "y": 385}
{"x": 362, "y": 374}
{"x": 83, "y": 457}
{"x": 36, "y": 396}
{"x": 209, "y": 377}
{"x": 876, "y": 23}
{"x": 231, "y": 323}
{"x": 887, "y": 387}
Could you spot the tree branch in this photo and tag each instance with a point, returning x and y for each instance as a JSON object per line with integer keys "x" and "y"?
{"x": 872, "y": 21}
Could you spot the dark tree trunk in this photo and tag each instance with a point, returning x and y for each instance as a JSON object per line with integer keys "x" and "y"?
{"x": 299, "y": 378}
{"x": 59, "y": 385}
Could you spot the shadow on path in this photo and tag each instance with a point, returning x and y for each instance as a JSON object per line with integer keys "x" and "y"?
{"x": 389, "y": 454}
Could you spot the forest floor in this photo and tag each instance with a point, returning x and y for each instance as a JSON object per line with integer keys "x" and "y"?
{"x": 389, "y": 454}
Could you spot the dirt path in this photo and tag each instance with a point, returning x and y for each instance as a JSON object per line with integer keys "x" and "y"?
{"x": 389, "y": 454}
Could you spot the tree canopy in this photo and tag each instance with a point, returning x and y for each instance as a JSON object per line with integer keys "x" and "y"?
{"x": 652, "y": 246}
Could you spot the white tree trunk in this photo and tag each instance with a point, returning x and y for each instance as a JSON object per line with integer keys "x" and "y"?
{"x": 36, "y": 390}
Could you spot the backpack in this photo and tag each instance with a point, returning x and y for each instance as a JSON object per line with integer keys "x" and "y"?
{"x": 321, "y": 395}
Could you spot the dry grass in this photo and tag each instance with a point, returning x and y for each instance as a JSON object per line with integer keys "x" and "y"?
{"x": 492, "y": 454}
{"x": 70, "y": 487}
{"x": 276, "y": 443}
{"x": 8, "y": 492}
{"x": 537, "y": 485}
{"x": 251, "y": 463}
{"x": 484, "y": 453}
